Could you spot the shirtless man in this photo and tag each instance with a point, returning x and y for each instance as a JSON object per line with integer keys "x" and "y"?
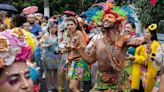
{"x": 109, "y": 51}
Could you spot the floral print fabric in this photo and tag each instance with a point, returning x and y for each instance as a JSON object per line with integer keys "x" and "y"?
{"x": 79, "y": 70}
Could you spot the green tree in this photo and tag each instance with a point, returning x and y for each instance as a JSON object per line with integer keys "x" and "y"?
{"x": 150, "y": 14}
{"x": 75, "y": 5}
{"x": 56, "y": 6}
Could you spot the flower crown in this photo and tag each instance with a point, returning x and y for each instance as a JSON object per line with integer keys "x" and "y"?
{"x": 12, "y": 50}
{"x": 18, "y": 32}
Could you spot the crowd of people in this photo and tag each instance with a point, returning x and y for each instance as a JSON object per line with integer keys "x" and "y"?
{"x": 76, "y": 56}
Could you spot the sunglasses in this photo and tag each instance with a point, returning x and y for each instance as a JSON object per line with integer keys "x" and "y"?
{"x": 15, "y": 79}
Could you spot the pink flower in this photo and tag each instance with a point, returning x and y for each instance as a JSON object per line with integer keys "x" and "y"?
{"x": 25, "y": 54}
{"x": 152, "y": 2}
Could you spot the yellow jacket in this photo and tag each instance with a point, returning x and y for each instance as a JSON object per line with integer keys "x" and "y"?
{"x": 140, "y": 57}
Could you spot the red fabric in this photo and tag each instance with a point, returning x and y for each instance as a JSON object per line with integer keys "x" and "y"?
{"x": 152, "y": 2}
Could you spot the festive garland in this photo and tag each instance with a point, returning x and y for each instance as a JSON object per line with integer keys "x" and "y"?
{"x": 96, "y": 13}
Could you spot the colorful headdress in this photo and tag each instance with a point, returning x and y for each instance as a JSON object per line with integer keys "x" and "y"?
{"x": 97, "y": 12}
{"x": 73, "y": 19}
{"x": 115, "y": 13}
{"x": 12, "y": 49}
{"x": 52, "y": 22}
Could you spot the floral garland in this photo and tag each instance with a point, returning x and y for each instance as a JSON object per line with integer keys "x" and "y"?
{"x": 115, "y": 62}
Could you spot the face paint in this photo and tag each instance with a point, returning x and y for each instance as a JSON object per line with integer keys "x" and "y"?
{"x": 16, "y": 78}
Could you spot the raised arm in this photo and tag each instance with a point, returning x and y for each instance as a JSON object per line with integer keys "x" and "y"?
{"x": 133, "y": 41}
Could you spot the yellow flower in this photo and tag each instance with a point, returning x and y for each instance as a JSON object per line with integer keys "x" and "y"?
{"x": 4, "y": 46}
{"x": 18, "y": 32}
{"x": 152, "y": 27}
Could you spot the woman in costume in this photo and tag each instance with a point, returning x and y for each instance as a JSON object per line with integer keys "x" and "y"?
{"x": 50, "y": 54}
{"x": 79, "y": 69}
{"x": 145, "y": 55}
{"x": 14, "y": 72}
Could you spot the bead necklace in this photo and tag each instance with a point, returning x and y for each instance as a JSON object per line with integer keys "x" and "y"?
{"x": 111, "y": 48}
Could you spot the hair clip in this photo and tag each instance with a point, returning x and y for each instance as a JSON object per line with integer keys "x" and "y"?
{"x": 152, "y": 27}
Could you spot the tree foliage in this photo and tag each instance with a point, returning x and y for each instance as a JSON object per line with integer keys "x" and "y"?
{"x": 75, "y": 5}
{"x": 56, "y": 6}
{"x": 150, "y": 14}
{"x": 147, "y": 13}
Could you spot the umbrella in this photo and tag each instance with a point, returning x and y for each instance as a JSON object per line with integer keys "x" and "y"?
{"x": 68, "y": 12}
{"x": 30, "y": 10}
{"x": 8, "y": 7}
